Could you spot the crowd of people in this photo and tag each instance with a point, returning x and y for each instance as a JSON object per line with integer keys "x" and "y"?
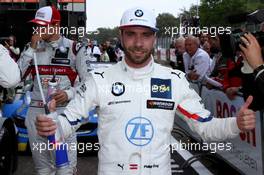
{"x": 202, "y": 59}
{"x": 108, "y": 51}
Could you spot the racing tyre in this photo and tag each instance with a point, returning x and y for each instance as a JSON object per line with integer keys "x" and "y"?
{"x": 8, "y": 148}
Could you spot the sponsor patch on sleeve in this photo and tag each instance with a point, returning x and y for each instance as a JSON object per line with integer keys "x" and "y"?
{"x": 159, "y": 104}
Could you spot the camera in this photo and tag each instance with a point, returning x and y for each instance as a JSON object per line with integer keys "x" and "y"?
{"x": 233, "y": 41}
{"x": 4, "y": 40}
{"x": 229, "y": 43}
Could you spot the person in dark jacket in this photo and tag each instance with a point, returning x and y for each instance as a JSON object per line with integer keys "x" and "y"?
{"x": 254, "y": 70}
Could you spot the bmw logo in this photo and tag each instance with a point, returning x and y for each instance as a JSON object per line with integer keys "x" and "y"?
{"x": 139, "y": 13}
{"x": 118, "y": 89}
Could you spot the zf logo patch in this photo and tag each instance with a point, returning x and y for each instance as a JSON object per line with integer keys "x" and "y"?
{"x": 161, "y": 88}
{"x": 139, "y": 131}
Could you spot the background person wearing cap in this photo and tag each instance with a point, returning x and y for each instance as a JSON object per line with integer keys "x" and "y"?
{"x": 137, "y": 100}
{"x": 56, "y": 55}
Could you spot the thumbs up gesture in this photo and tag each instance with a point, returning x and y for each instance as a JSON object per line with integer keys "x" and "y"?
{"x": 246, "y": 118}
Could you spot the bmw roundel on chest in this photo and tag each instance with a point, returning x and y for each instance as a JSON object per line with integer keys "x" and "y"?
{"x": 118, "y": 89}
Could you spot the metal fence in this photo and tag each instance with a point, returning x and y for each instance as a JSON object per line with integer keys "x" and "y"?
{"x": 164, "y": 42}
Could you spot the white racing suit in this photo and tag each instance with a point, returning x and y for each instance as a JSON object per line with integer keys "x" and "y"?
{"x": 9, "y": 71}
{"x": 50, "y": 59}
{"x": 136, "y": 109}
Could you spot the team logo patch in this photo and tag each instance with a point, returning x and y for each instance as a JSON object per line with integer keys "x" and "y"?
{"x": 158, "y": 104}
{"x": 40, "y": 15}
{"x": 118, "y": 89}
{"x": 161, "y": 88}
{"x": 139, "y": 131}
{"x": 139, "y": 13}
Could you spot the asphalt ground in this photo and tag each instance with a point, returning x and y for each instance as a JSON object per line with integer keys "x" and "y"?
{"x": 88, "y": 163}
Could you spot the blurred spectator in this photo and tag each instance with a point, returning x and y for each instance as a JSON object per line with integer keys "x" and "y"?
{"x": 213, "y": 57}
{"x": 96, "y": 51}
{"x": 10, "y": 44}
{"x": 203, "y": 38}
{"x": 179, "y": 50}
{"x": 89, "y": 50}
{"x": 215, "y": 52}
{"x": 110, "y": 51}
{"x": 172, "y": 58}
{"x": 207, "y": 48}
{"x": 93, "y": 50}
{"x": 227, "y": 68}
{"x": 104, "y": 56}
{"x": 196, "y": 60}
{"x": 233, "y": 80}
{"x": 119, "y": 51}
{"x": 215, "y": 45}
{"x": 227, "y": 71}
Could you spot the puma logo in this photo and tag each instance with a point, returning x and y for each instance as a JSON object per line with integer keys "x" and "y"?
{"x": 121, "y": 166}
{"x": 176, "y": 74}
{"x": 98, "y": 73}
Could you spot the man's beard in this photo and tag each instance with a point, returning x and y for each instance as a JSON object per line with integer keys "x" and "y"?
{"x": 137, "y": 60}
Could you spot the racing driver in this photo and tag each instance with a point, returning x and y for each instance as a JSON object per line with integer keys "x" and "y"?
{"x": 57, "y": 57}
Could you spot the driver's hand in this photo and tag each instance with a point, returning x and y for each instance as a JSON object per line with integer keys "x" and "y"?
{"x": 60, "y": 96}
{"x": 34, "y": 40}
{"x": 46, "y": 126}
